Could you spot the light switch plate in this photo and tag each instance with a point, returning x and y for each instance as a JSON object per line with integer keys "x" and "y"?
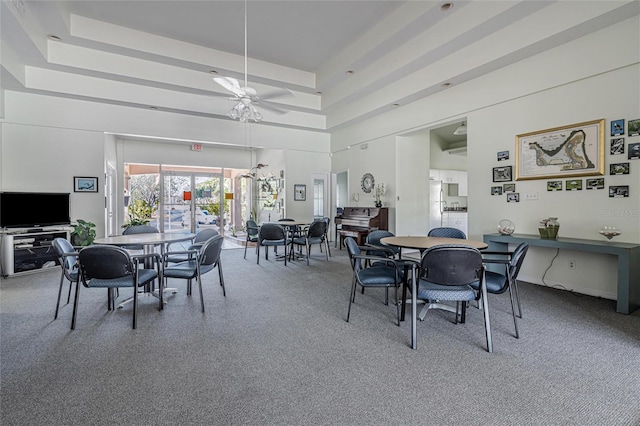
{"x": 528, "y": 196}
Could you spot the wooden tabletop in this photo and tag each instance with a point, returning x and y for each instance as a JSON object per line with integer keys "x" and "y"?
{"x": 423, "y": 242}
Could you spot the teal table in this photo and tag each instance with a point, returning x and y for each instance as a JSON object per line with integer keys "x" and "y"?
{"x": 628, "y": 255}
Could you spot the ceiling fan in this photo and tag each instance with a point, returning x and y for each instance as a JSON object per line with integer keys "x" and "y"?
{"x": 247, "y": 97}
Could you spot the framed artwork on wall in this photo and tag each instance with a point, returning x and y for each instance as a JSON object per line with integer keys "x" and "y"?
{"x": 597, "y": 183}
{"x": 617, "y": 127}
{"x": 617, "y": 146}
{"x": 561, "y": 152}
{"x": 299, "y": 192}
{"x": 502, "y": 174}
{"x": 85, "y": 184}
{"x": 633, "y": 128}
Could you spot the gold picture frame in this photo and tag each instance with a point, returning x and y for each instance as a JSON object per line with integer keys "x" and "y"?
{"x": 561, "y": 152}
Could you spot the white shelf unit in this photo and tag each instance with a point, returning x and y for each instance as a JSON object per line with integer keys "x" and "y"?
{"x": 29, "y": 251}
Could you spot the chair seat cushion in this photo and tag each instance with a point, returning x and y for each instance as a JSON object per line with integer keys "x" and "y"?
{"x": 378, "y": 276}
{"x": 186, "y": 270}
{"x": 144, "y": 276}
{"x": 430, "y": 291}
{"x": 496, "y": 283}
{"x": 274, "y": 242}
{"x": 303, "y": 240}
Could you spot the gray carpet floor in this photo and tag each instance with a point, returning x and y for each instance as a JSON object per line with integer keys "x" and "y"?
{"x": 278, "y": 351}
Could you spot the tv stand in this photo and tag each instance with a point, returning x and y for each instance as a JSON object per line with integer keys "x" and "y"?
{"x": 29, "y": 250}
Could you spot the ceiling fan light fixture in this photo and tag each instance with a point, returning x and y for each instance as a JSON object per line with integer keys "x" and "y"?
{"x": 461, "y": 130}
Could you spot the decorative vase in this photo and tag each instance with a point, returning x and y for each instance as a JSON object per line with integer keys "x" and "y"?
{"x": 552, "y": 228}
{"x": 506, "y": 227}
{"x": 378, "y": 203}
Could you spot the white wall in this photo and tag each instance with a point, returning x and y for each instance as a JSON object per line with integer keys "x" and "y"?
{"x": 44, "y": 159}
{"x": 596, "y": 76}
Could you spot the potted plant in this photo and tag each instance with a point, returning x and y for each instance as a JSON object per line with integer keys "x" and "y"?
{"x": 140, "y": 214}
{"x": 83, "y": 233}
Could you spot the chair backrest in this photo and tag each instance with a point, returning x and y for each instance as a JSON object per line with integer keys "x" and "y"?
{"x": 62, "y": 246}
{"x": 204, "y": 235}
{"x": 210, "y": 253}
{"x": 286, "y": 219}
{"x": 141, "y": 229}
{"x": 317, "y": 229}
{"x": 353, "y": 249}
{"x": 516, "y": 259}
{"x": 446, "y": 232}
{"x": 252, "y": 228}
{"x": 374, "y": 237}
{"x": 451, "y": 264}
{"x": 272, "y": 231}
{"x": 104, "y": 262}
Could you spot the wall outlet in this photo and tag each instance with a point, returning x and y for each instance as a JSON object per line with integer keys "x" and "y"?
{"x": 572, "y": 264}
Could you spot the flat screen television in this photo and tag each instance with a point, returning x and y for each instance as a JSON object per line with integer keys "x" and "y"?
{"x": 33, "y": 209}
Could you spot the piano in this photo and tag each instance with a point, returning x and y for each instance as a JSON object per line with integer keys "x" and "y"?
{"x": 357, "y": 222}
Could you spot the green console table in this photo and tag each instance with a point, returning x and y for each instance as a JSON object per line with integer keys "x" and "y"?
{"x": 628, "y": 255}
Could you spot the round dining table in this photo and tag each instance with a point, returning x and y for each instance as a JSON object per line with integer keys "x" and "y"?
{"x": 422, "y": 243}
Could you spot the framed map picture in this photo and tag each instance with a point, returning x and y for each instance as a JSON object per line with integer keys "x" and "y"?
{"x": 561, "y": 152}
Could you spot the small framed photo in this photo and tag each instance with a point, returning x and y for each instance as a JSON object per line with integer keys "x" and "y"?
{"x": 502, "y": 174}
{"x": 633, "y": 128}
{"x": 503, "y": 155}
{"x": 634, "y": 151}
{"x": 573, "y": 185}
{"x": 554, "y": 185}
{"x": 597, "y": 183}
{"x": 617, "y": 146}
{"x": 299, "y": 192}
{"x": 85, "y": 184}
{"x": 496, "y": 190}
{"x": 617, "y": 127}
{"x": 620, "y": 191}
{"x": 619, "y": 169}
{"x": 509, "y": 187}
{"x": 513, "y": 197}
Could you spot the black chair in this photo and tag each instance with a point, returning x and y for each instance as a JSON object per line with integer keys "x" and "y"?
{"x": 384, "y": 274}
{"x": 139, "y": 229}
{"x": 446, "y": 232}
{"x": 201, "y": 260}
{"x": 68, "y": 258}
{"x": 447, "y": 273}
{"x": 498, "y": 283}
{"x": 292, "y": 230}
{"x": 272, "y": 235}
{"x": 197, "y": 241}
{"x": 111, "y": 268}
{"x": 252, "y": 235}
{"x": 315, "y": 235}
{"x": 326, "y": 233}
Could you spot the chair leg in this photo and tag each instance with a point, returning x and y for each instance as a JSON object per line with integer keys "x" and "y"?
{"x": 69, "y": 294}
{"x": 352, "y": 297}
{"x": 513, "y": 312}
{"x": 246, "y": 244}
{"x": 199, "y": 279}
{"x": 59, "y": 293}
{"x": 135, "y": 305}
{"x": 224, "y": 292}
{"x": 75, "y": 306}
{"x": 326, "y": 244}
{"x": 308, "y": 252}
{"x": 397, "y": 305}
{"x": 258, "y": 253}
{"x": 487, "y": 324}
{"x": 515, "y": 289}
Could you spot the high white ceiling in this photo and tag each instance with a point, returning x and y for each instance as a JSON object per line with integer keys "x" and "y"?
{"x": 160, "y": 53}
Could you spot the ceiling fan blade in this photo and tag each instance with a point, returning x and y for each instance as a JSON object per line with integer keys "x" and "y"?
{"x": 274, "y": 94}
{"x": 231, "y": 84}
{"x": 270, "y": 107}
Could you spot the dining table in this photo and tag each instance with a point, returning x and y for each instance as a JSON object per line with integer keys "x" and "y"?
{"x": 149, "y": 242}
{"x": 418, "y": 242}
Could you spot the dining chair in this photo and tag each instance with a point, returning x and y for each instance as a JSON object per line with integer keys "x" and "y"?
{"x": 384, "y": 274}
{"x": 139, "y": 229}
{"x": 326, "y": 233}
{"x": 68, "y": 259}
{"x": 315, "y": 235}
{"x": 197, "y": 241}
{"x": 252, "y": 235}
{"x": 111, "y": 267}
{"x": 272, "y": 235}
{"x": 201, "y": 260}
{"x": 448, "y": 273}
{"x": 498, "y": 283}
{"x": 447, "y": 232}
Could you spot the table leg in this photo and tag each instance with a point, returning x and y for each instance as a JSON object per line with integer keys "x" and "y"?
{"x": 414, "y": 308}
